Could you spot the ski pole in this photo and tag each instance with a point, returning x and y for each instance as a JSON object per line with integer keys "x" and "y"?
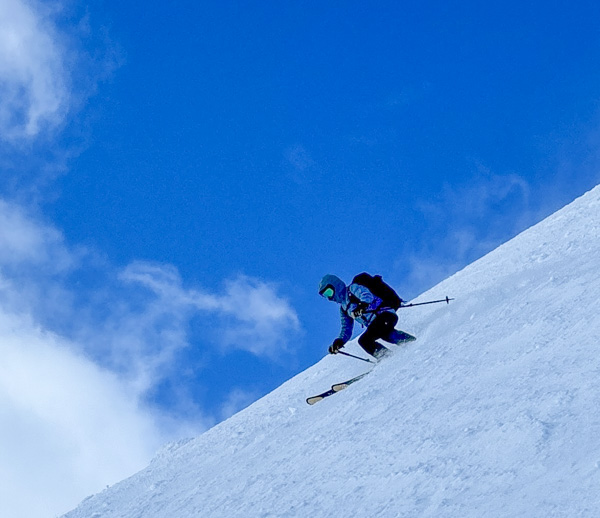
{"x": 357, "y": 357}
{"x": 446, "y": 300}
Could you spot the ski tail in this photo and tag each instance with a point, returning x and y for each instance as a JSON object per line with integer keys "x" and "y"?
{"x": 319, "y": 397}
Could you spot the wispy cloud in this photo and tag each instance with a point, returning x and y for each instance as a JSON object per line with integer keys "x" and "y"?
{"x": 463, "y": 223}
{"x": 237, "y": 400}
{"x": 34, "y": 81}
{"x": 23, "y": 240}
{"x": 298, "y": 157}
{"x": 251, "y": 315}
{"x": 300, "y": 165}
{"x": 261, "y": 321}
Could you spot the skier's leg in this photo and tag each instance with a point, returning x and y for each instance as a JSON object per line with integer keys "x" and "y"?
{"x": 381, "y": 327}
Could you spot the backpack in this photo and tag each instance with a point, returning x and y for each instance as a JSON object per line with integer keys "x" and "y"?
{"x": 376, "y": 285}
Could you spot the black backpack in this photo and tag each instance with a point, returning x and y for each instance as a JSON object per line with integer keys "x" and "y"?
{"x": 376, "y": 285}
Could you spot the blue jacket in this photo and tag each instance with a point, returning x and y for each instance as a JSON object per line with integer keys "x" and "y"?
{"x": 351, "y": 299}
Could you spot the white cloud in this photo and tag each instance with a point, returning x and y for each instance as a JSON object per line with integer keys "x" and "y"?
{"x": 34, "y": 81}
{"x": 251, "y": 315}
{"x": 76, "y": 368}
{"x": 24, "y": 240}
{"x": 67, "y": 427}
{"x": 256, "y": 319}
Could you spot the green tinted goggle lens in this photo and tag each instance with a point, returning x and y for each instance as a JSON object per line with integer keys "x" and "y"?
{"x": 328, "y": 293}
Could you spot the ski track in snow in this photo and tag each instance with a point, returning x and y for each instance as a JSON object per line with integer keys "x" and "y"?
{"x": 493, "y": 411}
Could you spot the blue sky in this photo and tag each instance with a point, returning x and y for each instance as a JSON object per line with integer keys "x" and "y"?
{"x": 176, "y": 178}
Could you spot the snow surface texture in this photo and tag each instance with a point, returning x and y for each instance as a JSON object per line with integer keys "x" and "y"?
{"x": 493, "y": 411}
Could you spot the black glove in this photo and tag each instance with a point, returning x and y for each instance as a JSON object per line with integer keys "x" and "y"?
{"x": 360, "y": 309}
{"x": 337, "y": 344}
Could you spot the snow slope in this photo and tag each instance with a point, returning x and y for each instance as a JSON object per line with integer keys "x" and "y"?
{"x": 492, "y": 412}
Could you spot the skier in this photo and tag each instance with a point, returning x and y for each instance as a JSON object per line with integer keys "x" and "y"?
{"x": 358, "y": 302}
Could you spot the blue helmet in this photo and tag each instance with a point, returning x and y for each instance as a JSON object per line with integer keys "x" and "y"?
{"x": 336, "y": 284}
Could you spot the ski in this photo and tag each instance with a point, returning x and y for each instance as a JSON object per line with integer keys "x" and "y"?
{"x": 334, "y": 389}
{"x": 344, "y": 384}
{"x": 319, "y": 397}
{"x": 397, "y": 337}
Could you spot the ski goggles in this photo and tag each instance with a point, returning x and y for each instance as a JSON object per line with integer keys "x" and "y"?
{"x": 328, "y": 292}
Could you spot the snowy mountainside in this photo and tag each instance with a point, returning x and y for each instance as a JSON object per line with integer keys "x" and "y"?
{"x": 493, "y": 411}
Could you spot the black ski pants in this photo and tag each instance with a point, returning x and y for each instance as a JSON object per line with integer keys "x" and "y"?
{"x": 381, "y": 327}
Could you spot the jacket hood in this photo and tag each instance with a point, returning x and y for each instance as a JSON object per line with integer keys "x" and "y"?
{"x": 339, "y": 287}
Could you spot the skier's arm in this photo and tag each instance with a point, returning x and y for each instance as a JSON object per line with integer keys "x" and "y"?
{"x": 369, "y": 301}
{"x": 347, "y": 326}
